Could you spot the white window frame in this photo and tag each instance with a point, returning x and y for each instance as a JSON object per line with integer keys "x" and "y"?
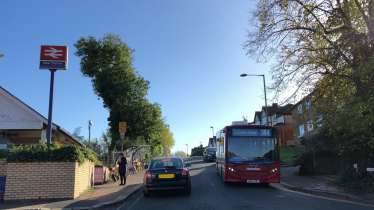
{"x": 310, "y": 125}
{"x": 300, "y": 109}
{"x": 320, "y": 117}
{"x": 301, "y": 130}
{"x": 308, "y": 104}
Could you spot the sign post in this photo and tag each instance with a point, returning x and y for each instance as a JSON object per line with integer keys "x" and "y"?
{"x": 52, "y": 58}
{"x": 122, "y": 132}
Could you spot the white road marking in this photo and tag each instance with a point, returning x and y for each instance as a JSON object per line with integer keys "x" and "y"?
{"x": 135, "y": 201}
{"x": 316, "y": 196}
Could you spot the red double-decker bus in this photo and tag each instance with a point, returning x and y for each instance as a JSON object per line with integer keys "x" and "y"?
{"x": 248, "y": 154}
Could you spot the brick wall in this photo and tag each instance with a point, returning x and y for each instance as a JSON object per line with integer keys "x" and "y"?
{"x": 84, "y": 176}
{"x": 3, "y": 167}
{"x": 302, "y": 119}
{"x": 47, "y": 180}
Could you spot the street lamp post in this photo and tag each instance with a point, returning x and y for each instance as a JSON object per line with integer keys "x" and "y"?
{"x": 266, "y": 105}
{"x": 213, "y": 135}
{"x": 89, "y": 133}
{"x": 187, "y": 149}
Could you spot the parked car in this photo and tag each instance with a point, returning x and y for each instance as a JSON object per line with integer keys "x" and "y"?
{"x": 209, "y": 154}
{"x": 167, "y": 174}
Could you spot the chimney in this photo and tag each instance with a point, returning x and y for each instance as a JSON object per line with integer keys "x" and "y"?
{"x": 201, "y": 146}
{"x": 275, "y": 105}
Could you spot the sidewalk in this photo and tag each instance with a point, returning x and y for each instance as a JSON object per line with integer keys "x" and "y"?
{"x": 319, "y": 185}
{"x": 102, "y": 195}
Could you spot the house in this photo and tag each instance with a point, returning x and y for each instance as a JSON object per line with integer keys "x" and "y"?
{"x": 303, "y": 117}
{"x": 212, "y": 142}
{"x": 199, "y": 149}
{"x": 279, "y": 116}
{"x": 257, "y": 119}
{"x": 21, "y": 124}
{"x": 282, "y": 119}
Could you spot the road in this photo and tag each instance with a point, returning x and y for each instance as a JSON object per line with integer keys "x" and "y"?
{"x": 209, "y": 192}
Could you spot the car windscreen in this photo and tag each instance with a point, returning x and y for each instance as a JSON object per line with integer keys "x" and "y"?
{"x": 252, "y": 149}
{"x": 163, "y": 163}
{"x": 211, "y": 150}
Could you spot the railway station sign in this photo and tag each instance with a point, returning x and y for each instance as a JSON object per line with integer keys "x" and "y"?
{"x": 53, "y": 57}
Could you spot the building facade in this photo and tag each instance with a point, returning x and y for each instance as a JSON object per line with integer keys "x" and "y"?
{"x": 306, "y": 121}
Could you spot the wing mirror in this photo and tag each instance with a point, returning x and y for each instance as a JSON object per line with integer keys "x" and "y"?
{"x": 188, "y": 164}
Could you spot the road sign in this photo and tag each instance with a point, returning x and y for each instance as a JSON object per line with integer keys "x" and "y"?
{"x": 370, "y": 169}
{"x": 122, "y": 127}
{"x": 53, "y": 57}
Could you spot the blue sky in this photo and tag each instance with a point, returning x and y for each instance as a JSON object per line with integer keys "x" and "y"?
{"x": 190, "y": 51}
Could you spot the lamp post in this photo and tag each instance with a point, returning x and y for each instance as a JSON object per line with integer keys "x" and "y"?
{"x": 187, "y": 149}
{"x": 266, "y": 105}
{"x": 213, "y": 136}
{"x": 89, "y": 133}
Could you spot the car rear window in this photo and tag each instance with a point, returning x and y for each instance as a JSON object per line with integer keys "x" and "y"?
{"x": 165, "y": 162}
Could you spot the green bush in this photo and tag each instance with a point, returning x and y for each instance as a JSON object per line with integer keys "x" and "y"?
{"x": 54, "y": 153}
{"x": 304, "y": 159}
{"x": 4, "y": 153}
{"x": 325, "y": 153}
{"x": 361, "y": 180}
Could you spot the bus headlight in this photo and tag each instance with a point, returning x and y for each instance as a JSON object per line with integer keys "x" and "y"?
{"x": 231, "y": 169}
{"x": 273, "y": 170}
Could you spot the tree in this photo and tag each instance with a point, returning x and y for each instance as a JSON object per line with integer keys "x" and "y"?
{"x": 108, "y": 62}
{"x": 324, "y": 49}
{"x": 77, "y": 133}
{"x": 180, "y": 154}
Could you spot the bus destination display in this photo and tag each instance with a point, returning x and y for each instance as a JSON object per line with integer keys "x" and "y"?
{"x": 252, "y": 132}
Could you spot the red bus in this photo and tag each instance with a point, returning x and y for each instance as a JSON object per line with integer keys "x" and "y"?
{"x": 248, "y": 154}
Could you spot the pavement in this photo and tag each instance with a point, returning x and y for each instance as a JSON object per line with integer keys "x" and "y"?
{"x": 101, "y": 196}
{"x": 321, "y": 185}
{"x": 111, "y": 194}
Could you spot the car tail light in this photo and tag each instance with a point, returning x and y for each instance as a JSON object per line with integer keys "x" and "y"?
{"x": 184, "y": 173}
{"x": 148, "y": 175}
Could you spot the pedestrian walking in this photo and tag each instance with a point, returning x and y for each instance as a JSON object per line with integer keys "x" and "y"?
{"x": 122, "y": 162}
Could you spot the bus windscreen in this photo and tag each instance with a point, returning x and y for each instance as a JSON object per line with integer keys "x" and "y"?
{"x": 252, "y": 150}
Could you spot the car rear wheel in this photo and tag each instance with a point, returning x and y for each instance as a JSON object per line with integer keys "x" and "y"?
{"x": 146, "y": 194}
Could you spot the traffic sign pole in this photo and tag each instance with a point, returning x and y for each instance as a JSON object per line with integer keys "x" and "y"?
{"x": 49, "y": 128}
{"x": 52, "y": 58}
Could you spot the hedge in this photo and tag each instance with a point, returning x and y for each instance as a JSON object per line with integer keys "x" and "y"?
{"x": 42, "y": 153}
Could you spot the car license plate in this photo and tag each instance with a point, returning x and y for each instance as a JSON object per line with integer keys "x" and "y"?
{"x": 253, "y": 181}
{"x": 166, "y": 176}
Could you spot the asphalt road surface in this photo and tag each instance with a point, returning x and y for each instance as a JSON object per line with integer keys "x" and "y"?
{"x": 209, "y": 192}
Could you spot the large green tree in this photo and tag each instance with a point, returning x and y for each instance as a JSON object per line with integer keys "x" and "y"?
{"x": 325, "y": 49}
{"x": 109, "y": 63}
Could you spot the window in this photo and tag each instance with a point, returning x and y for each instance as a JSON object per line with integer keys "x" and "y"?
{"x": 310, "y": 125}
{"x": 301, "y": 130}
{"x": 274, "y": 119}
{"x": 308, "y": 104}
{"x": 300, "y": 109}
{"x": 319, "y": 121}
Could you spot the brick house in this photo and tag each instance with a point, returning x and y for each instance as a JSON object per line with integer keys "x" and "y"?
{"x": 282, "y": 119}
{"x": 303, "y": 117}
{"x": 279, "y": 116}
